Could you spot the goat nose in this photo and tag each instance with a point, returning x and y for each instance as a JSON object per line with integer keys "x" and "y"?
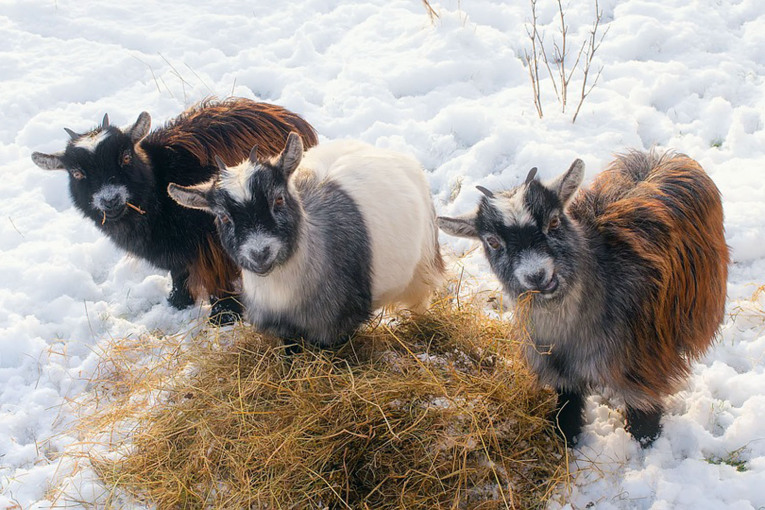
{"x": 538, "y": 280}
{"x": 260, "y": 256}
{"x": 112, "y": 202}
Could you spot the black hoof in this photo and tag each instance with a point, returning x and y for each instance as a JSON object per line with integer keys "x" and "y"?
{"x": 292, "y": 348}
{"x": 568, "y": 416}
{"x": 180, "y": 299}
{"x": 226, "y": 311}
{"x": 644, "y": 426}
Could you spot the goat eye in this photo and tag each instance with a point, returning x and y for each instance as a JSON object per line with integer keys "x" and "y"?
{"x": 127, "y": 158}
{"x": 224, "y": 218}
{"x": 279, "y": 201}
{"x": 78, "y": 174}
{"x": 554, "y": 223}
{"x": 493, "y": 242}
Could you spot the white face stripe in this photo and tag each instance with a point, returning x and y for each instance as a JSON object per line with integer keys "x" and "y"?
{"x": 90, "y": 143}
{"x": 234, "y": 181}
{"x": 531, "y": 263}
{"x": 513, "y": 209}
{"x": 107, "y": 193}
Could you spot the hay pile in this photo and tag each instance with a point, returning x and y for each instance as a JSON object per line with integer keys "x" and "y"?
{"x": 434, "y": 413}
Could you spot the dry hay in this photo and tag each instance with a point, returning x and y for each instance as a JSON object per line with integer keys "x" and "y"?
{"x": 437, "y": 412}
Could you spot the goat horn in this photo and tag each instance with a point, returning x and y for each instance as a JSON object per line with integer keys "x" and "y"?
{"x": 485, "y": 191}
{"x": 532, "y": 174}
{"x": 105, "y": 122}
{"x": 71, "y": 134}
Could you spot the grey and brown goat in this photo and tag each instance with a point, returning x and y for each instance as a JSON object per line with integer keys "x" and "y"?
{"x": 627, "y": 278}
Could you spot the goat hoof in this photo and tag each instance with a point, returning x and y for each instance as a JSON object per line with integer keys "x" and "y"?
{"x": 225, "y": 318}
{"x": 226, "y": 311}
{"x": 568, "y": 416}
{"x": 644, "y": 426}
{"x": 292, "y": 348}
{"x": 180, "y": 299}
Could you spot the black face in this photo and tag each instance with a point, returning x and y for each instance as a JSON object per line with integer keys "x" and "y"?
{"x": 529, "y": 241}
{"x": 107, "y": 177}
{"x": 258, "y": 226}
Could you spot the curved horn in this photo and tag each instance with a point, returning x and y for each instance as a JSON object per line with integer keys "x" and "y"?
{"x": 485, "y": 191}
{"x": 532, "y": 174}
{"x": 72, "y": 134}
{"x": 105, "y": 122}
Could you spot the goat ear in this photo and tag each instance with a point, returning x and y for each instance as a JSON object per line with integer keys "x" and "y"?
{"x": 254, "y": 155}
{"x": 193, "y": 197}
{"x": 462, "y": 226}
{"x": 48, "y": 161}
{"x": 292, "y": 154}
{"x": 567, "y": 184}
{"x": 141, "y": 127}
{"x": 485, "y": 191}
{"x": 530, "y": 177}
{"x": 221, "y": 165}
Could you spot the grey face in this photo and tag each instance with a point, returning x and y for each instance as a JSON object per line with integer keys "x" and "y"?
{"x": 527, "y": 237}
{"x": 259, "y": 228}
{"x": 258, "y": 218}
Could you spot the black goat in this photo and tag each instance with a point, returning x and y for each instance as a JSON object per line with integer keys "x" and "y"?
{"x": 118, "y": 178}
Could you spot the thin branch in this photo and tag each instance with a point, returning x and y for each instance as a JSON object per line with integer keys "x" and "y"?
{"x": 532, "y": 61}
{"x": 14, "y": 227}
{"x": 432, "y": 14}
{"x": 563, "y": 72}
{"x": 594, "y": 44}
{"x": 561, "y": 59}
{"x": 546, "y": 61}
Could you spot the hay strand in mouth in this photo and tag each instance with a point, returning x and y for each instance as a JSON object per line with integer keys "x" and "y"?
{"x": 436, "y": 411}
{"x": 135, "y": 208}
{"x": 132, "y": 206}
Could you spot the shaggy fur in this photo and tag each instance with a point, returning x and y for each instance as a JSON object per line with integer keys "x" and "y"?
{"x": 637, "y": 290}
{"x": 326, "y": 239}
{"x": 111, "y": 169}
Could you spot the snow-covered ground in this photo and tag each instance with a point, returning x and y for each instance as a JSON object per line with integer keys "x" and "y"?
{"x": 685, "y": 74}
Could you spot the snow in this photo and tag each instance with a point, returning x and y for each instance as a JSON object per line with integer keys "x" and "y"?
{"x": 678, "y": 74}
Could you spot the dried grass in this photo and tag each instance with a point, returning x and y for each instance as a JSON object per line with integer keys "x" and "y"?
{"x": 432, "y": 13}
{"x": 433, "y": 412}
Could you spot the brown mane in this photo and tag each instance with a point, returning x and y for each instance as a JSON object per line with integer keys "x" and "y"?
{"x": 214, "y": 127}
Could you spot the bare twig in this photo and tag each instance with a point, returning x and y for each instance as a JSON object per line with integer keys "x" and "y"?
{"x": 14, "y": 227}
{"x": 560, "y": 59}
{"x": 592, "y": 48}
{"x": 563, "y": 72}
{"x": 432, "y": 14}
{"x": 533, "y": 60}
